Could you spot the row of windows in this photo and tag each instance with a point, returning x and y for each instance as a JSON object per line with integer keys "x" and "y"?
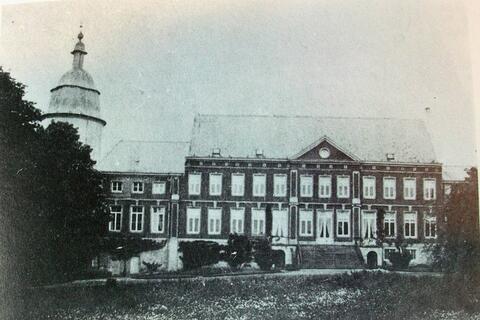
{"x": 158, "y": 187}
{"x": 306, "y": 186}
{"x": 136, "y": 219}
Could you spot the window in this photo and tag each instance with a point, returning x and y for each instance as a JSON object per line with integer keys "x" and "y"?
{"x": 158, "y": 187}
{"x": 238, "y": 184}
{"x": 306, "y": 186}
{"x": 306, "y": 222}
{"x": 194, "y": 181}
{"x": 117, "y": 186}
{"x": 410, "y": 224}
{"x": 259, "y": 180}
{"x": 157, "y": 219}
{"x": 215, "y": 184}
{"x": 193, "y": 220}
{"x": 343, "y": 186}
{"x": 431, "y": 227}
{"x": 369, "y": 224}
{"x": 447, "y": 189}
{"x": 369, "y": 187}
{"x": 136, "y": 218}
{"x": 280, "y": 223}
{"x": 409, "y": 188}
{"x": 324, "y": 186}
{"x": 237, "y": 216}
{"x": 258, "y": 222}
{"x": 137, "y": 187}
{"x": 115, "y": 223}
{"x": 390, "y": 224}
{"x": 389, "y": 190}
{"x": 343, "y": 223}
{"x": 214, "y": 220}
{"x": 280, "y": 185}
{"x": 429, "y": 189}
{"x": 413, "y": 253}
{"x": 388, "y": 253}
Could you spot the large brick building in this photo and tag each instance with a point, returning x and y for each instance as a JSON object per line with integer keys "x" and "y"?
{"x": 322, "y": 187}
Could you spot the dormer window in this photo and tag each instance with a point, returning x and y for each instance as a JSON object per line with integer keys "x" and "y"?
{"x": 216, "y": 152}
{"x": 259, "y": 153}
{"x": 390, "y": 156}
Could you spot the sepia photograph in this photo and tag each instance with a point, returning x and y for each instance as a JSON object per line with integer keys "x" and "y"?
{"x": 257, "y": 159}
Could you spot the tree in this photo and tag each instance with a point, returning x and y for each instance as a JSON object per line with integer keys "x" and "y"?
{"x": 458, "y": 246}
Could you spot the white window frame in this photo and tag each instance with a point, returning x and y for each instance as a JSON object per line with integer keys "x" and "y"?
{"x": 413, "y": 188}
{"x": 238, "y": 189}
{"x": 305, "y": 228}
{"x": 306, "y": 185}
{"x": 194, "y": 220}
{"x": 155, "y": 213}
{"x": 194, "y": 183}
{"x": 373, "y": 226}
{"x": 215, "y": 184}
{"x": 117, "y": 217}
{"x": 258, "y": 222}
{"x": 137, "y": 214}
{"x": 369, "y": 190}
{"x": 325, "y": 187}
{"x": 413, "y": 253}
{"x": 259, "y": 184}
{"x": 428, "y": 221}
{"x": 387, "y": 195}
{"x": 138, "y": 187}
{"x": 409, "y": 218}
{"x": 340, "y": 187}
{"x": 279, "y": 185}
{"x": 214, "y": 221}
{"x": 159, "y": 187}
{"x": 426, "y": 189}
{"x": 390, "y": 217}
{"x": 343, "y": 216}
{"x": 237, "y": 220}
{"x": 116, "y": 189}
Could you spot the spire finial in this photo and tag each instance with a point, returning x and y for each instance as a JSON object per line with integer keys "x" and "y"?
{"x": 80, "y": 34}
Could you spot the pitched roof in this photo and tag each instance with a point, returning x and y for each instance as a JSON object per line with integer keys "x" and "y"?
{"x": 368, "y": 139}
{"x": 146, "y": 157}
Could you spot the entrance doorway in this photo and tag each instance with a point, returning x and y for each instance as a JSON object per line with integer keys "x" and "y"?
{"x": 372, "y": 261}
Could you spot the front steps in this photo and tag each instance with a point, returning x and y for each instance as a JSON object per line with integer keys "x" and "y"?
{"x": 330, "y": 256}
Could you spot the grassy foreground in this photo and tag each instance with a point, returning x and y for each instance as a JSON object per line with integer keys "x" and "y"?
{"x": 358, "y": 296}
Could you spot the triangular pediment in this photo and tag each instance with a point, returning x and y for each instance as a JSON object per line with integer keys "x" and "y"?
{"x": 325, "y": 149}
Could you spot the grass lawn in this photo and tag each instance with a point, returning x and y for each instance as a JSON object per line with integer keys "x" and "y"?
{"x": 358, "y": 296}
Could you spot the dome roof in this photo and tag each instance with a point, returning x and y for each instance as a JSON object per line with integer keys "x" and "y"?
{"x": 77, "y": 77}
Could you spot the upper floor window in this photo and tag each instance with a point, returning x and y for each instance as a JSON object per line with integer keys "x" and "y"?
{"x": 157, "y": 219}
{"x": 343, "y": 223}
{"x": 193, "y": 220}
{"x": 214, "y": 220}
{"x": 430, "y": 227}
{"x": 237, "y": 216}
{"x": 137, "y": 187}
{"x": 238, "y": 184}
{"x": 215, "y": 184}
{"x": 258, "y": 222}
{"x": 410, "y": 224}
{"x": 306, "y": 186}
{"x": 280, "y": 185}
{"x": 429, "y": 189}
{"x": 115, "y": 223}
{"x": 390, "y": 224}
{"x": 369, "y": 187}
{"x": 159, "y": 187}
{"x": 324, "y": 186}
{"x": 306, "y": 222}
{"x": 409, "y": 188}
{"x": 389, "y": 188}
{"x": 194, "y": 182}
{"x": 343, "y": 186}
{"x": 259, "y": 181}
{"x": 136, "y": 218}
{"x": 116, "y": 186}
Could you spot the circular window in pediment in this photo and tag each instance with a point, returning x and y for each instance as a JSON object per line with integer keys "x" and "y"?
{"x": 324, "y": 153}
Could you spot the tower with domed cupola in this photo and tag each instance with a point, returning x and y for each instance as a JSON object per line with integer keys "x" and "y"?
{"x": 76, "y": 100}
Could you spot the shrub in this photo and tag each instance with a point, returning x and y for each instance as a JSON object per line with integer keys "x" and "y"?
{"x": 265, "y": 257}
{"x": 400, "y": 259}
{"x": 238, "y": 250}
{"x": 199, "y": 253}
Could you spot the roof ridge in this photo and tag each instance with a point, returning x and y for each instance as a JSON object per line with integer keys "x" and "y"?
{"x": 303, "y": 117}
{"x": 155, "y": 141}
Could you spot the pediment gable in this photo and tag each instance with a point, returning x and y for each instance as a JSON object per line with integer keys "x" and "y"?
{"x": 324, "y": 149}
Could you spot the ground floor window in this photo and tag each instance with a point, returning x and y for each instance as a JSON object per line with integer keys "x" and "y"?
{"x": 136, "y": 218}
{"x": 410, "y": 224}
{"x": 369, "y": 224}
{"x": 258, "y": 222}
{"x": 214, "y": 220}
{"x": 115, "y": 223}
{"x": 193, "y": 220}
{"x": 237, "y": 217}
{"x": 388, "y": 253}
{"x": 306, "y": 222}
{"x": 390, "y": 225}
{"x": 280, "y": 223}
{"x": 413, "y": 253}
{"x": 431, "y": 227}
{"x": 157, "y": 219}
{"x": 343, "y": 223}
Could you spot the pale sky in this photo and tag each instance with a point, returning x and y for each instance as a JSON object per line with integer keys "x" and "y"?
{"x": 158, "y": 63}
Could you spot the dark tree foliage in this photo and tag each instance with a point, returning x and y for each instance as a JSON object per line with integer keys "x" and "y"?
{"x": 196, "y": 254}
{"x": 458, "y": 245}
{"x": 51, "y": 200}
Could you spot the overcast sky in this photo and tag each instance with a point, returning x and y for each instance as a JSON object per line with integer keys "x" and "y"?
{"x": 157, "y": 64}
